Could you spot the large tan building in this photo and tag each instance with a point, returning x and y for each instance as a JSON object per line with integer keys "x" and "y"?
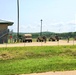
{"x": 4, "y": 30}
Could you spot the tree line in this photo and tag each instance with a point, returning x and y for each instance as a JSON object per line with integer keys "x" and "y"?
{"x": 47, "y": 34}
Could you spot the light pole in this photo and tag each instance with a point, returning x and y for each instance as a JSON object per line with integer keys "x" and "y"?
{"x": 17, "y": 20}
{"x": 41, "y": 27}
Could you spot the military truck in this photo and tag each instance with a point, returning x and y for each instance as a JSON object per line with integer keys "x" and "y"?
{"x": 27, "y": 38}
{"x": 54, "y": 38}
{"x": 41, "y": 39}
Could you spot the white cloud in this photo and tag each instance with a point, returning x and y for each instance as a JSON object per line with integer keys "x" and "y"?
{"x": 53, "y": 27}
{"x": 71, "y": 22}
{"x": 63, "y": 27}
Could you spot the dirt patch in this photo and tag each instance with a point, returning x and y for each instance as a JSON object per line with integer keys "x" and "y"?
{"x": 55, "y": 43}
{"x": 54, "y": 73}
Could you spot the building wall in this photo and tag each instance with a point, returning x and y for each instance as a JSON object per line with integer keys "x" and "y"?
{"x": 3, "y": 26}
{"x": 4, "y": 39}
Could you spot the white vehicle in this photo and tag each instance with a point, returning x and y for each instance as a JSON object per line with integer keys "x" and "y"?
{"x": 27, "y": 38}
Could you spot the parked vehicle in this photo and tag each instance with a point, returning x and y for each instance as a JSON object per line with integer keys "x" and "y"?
{"x": 54, "y": 38}
{"x": 27, "y": 38}
{"x": 41, "y": 39}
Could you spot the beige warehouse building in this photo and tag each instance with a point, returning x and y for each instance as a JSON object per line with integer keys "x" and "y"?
{"x": 4, "y": 30}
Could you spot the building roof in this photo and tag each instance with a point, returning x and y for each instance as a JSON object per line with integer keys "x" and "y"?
{"x": 6, "y": 22}
{"x": 27, "y": 34}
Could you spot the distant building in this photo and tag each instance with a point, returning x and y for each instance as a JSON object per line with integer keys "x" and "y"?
{"x": 4, "y": 30}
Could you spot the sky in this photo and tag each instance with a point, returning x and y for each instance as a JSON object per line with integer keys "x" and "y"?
{"x": 57, "y": 15}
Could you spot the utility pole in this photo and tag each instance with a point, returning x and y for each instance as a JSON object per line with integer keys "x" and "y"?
{"x": 41, "y": 27}
{"x": 17, "y": 20}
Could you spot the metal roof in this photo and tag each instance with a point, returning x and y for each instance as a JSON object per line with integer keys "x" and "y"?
{"x": 6, "y": 22}
{"x": 27, "y": 34}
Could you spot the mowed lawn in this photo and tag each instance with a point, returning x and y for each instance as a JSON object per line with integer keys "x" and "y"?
{"x": 23, "y": 60}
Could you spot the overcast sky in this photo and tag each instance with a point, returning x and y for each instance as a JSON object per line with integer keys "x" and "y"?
{"x": 57, "y": 15}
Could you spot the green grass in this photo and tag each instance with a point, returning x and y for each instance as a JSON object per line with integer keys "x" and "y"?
{"x": 20, "y": 60}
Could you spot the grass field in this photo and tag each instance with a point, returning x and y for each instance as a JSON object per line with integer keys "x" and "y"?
{"x": 22, "y": 60}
